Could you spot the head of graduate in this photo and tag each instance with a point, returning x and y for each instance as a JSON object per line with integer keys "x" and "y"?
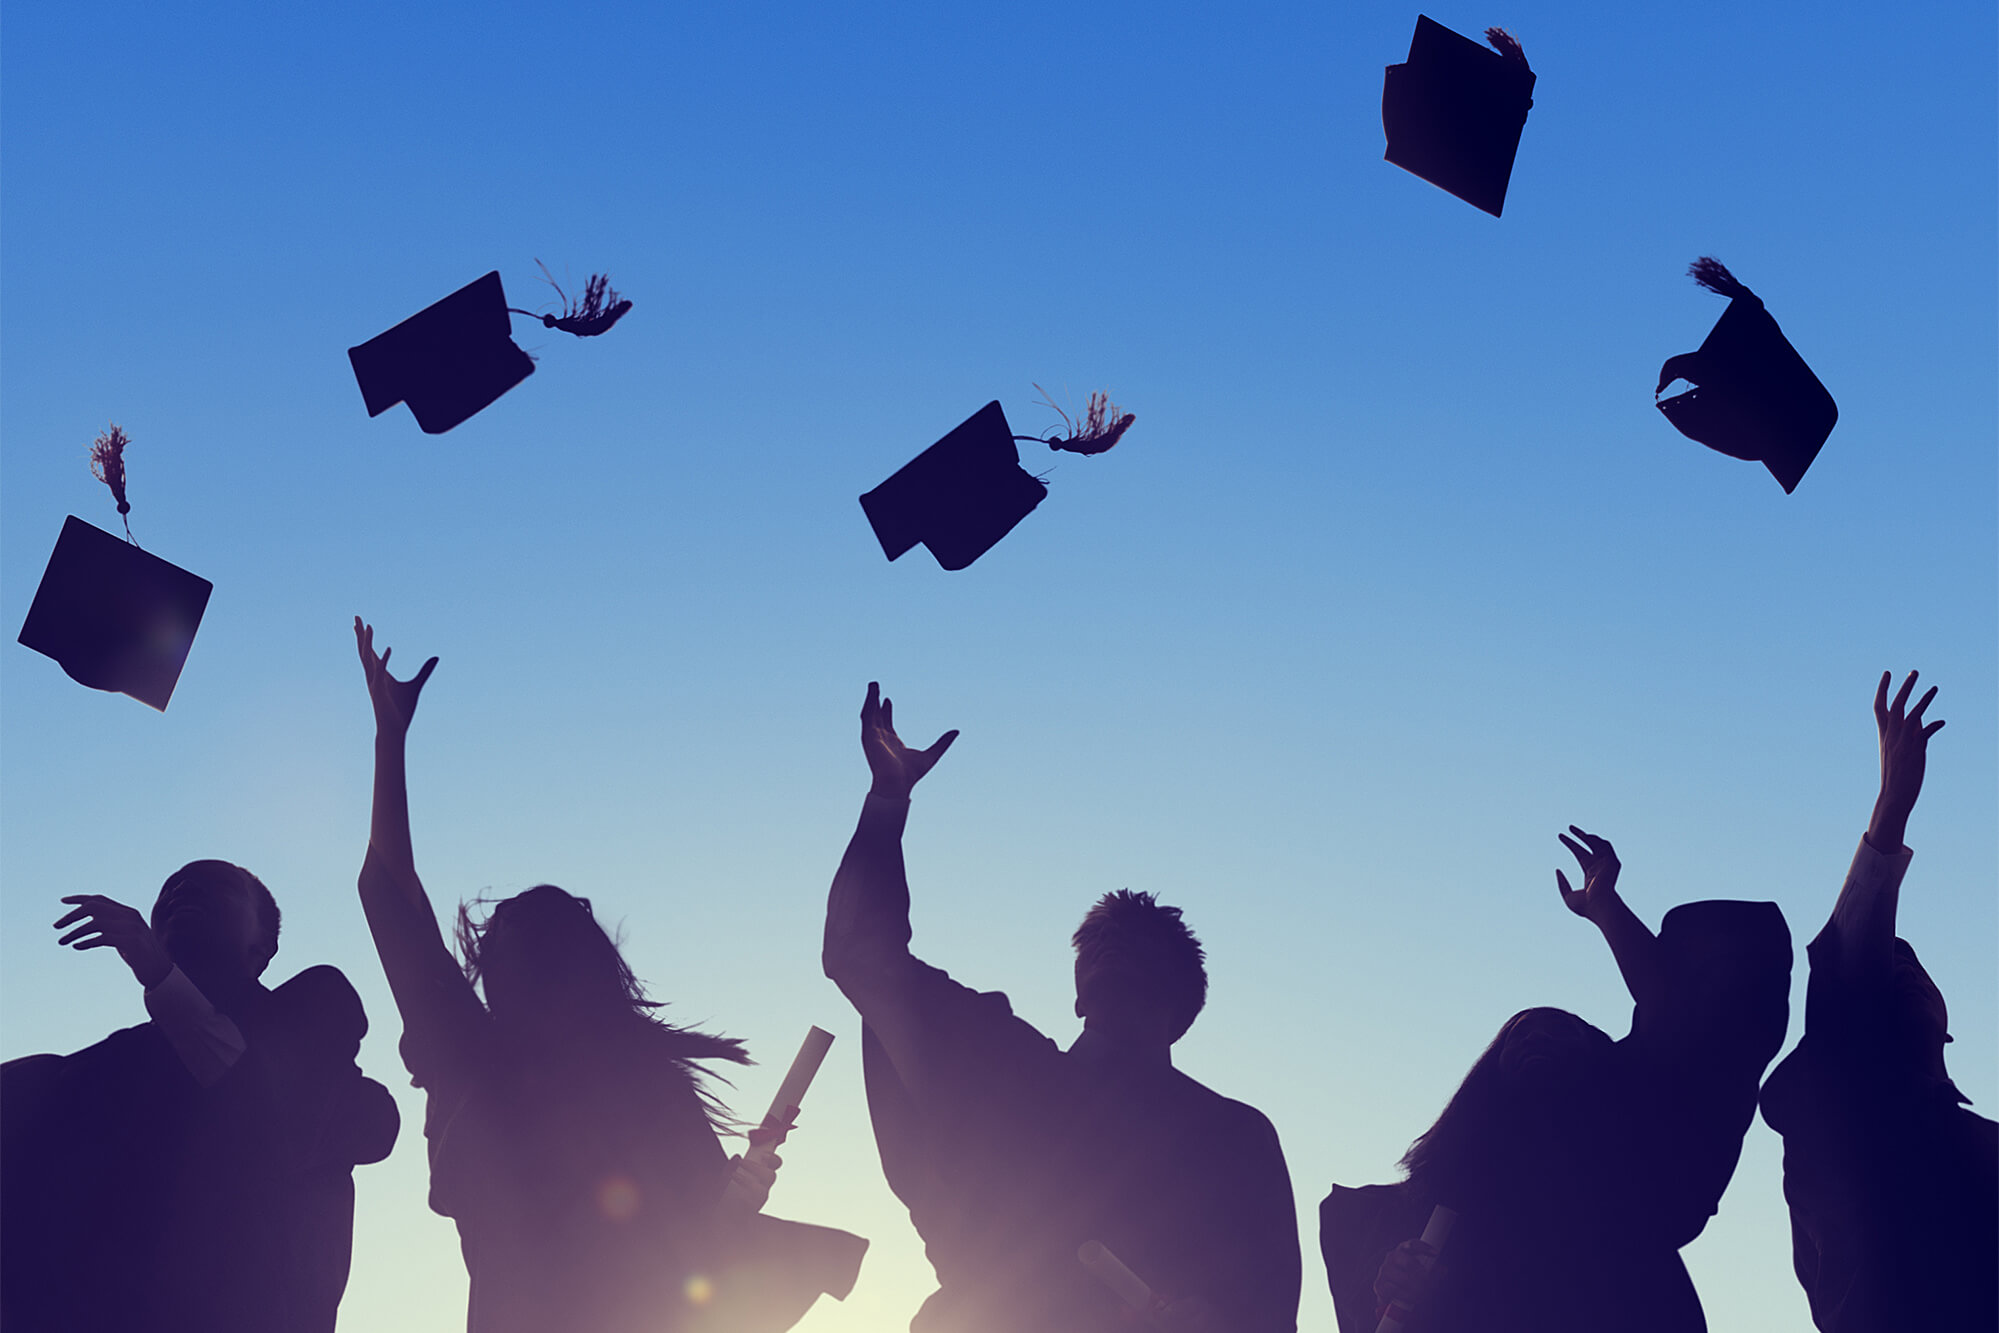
{"x": 1140, "y": 976}
{"x": 1511, "y": 1126}
{"x": 555, "y": 981}
{"x": 218, "y": 923}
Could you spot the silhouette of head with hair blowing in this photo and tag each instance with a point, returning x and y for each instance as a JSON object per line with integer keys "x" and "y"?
{"x": 1139, "y": 972}
{"x": 218, "y": 923}
{"x": 555, "y": 981}
{"x": 1498, "y": 1135}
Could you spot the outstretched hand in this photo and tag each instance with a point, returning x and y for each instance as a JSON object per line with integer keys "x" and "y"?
{"x": 1599, "y": 864}
{"x": 102, "y": 921}
{"x": 896, "y": 767}
{"x": 1905, "y": 742}
{"x": 394, "y": 700}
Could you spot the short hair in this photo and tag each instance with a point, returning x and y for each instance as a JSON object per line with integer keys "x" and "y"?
{"x": 1136, "y": 923}
{"x": 268, "y": 915}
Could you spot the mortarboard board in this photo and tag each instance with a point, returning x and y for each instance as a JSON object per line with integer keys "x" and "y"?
{"x": 1754, "y": 397}
{"x": 1453, "y": 111}
{"x": 959, "y": 496}
{"x": 114, "y": 616}
{"x": 447, "y": 361}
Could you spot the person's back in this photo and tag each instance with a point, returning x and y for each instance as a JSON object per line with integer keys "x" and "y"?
{"x": 193, "y": 1172}
{"x": 1577, "y": 1166}
{"x": 1012, "y": 1154}
{"x": 1893, "y": 1185}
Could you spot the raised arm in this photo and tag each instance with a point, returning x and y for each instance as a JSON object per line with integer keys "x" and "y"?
{"x": 389, "y": 849}
{"x": 867, "y": 910}
{"x": 1631, "y": 941}
{"x": 207, "y": 1040}
{"x": 1861, "y": 932}
{"x": 430, "y": 991}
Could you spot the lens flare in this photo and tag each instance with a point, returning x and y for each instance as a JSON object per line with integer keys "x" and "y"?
{"x": 618, "y": 1198}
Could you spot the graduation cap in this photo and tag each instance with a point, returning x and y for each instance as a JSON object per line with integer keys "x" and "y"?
{"x": 968, "y": 490}
{"x": 1454, "y": 111}
{"x": 454, "y": 358}
{"x": 113, "y": 616}
{"x": 1754, "y": 397}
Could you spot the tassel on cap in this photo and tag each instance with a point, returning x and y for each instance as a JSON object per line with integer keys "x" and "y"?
{"x": 1103, "y": 425}
{"x": 600, "y": 309}
{"x": 107, "y": 464}
{"x": 1712, "y": 274}
{"x": 1504, "y": 42}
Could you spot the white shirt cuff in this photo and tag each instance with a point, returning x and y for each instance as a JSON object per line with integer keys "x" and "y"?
{"x": 206, "y": 1039}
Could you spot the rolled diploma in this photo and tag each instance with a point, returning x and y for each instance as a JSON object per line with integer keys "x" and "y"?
{"x": 804, "y": 1066}
{"x": 790, "y": 1096}
{"x": 1110, "y": 1270}
{"x": 1435, "y": 1232}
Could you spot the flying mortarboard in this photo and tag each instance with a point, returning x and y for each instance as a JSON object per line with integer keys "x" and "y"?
{"x": 1754, "y": 397}
{"x": 968, "y": 490}
{"x": 452, "y": 359}
{"x": 1453, "y": 111}
{"x": 112, "y": 615}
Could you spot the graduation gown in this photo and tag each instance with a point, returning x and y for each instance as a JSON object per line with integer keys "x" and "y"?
{"x": 1589, "y": 1238}
{"x": 584, "y": 1181}
{"x": 135, "y": 1198}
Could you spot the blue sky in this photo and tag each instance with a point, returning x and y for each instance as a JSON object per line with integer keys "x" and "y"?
{"x": 1398, "y": 574}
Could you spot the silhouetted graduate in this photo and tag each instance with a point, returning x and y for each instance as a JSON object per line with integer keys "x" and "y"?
{"x": 572, "y": 1137}
{"x": 1893, "y": 1184}
{"x": 193, "y": 1174}
{"x": 113, "y": 616}
{"x": 453, "y": 359}
{"x": 1453, "y": 111}
{"x": 1754, "y": 397}
{"x": 1013, "y": 1154}
{"x": 1577, "y": 1165}
{"x": 968, "y": 490}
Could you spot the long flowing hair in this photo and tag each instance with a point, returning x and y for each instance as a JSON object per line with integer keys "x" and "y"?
{"x": 570, "y": 930}
{"x": 1500, "y": 1133}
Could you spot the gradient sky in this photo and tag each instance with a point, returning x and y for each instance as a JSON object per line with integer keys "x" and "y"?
{"x": 1398, "y": 573}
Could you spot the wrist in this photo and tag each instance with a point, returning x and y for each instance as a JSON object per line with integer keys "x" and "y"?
{"x": 889, "y": 791}
{"x": 1889, "y": 841}
{"x": 152, "y": 970}
{"x": 1888, "y": 829}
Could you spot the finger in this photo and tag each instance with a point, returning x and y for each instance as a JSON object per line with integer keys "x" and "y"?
{"x": 68, "y": 917}
{"x": 423, "y": 673}
{"x": 1933, "y": 728}
{"x": 873, "y": 702}
{"x": 939, "y": 746}
{"x": 1582, "y": 856}
{"x": 1881, "y": 696}
{"x": 100, "y": 942}
{"x": 1597, "y": 846}
{"x": 78, "y": 934}
{"x": 1902, "y": 695}
{"x": 1916, "y": 713}
{"x": 888, "y": 716}
{"x": 385, "y": 658}
{"x": 1562, "y": 885}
